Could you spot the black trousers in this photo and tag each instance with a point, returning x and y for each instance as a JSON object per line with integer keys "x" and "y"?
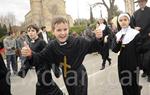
{"x": 105, "y": 53}
{"x": 52, "y": 89}
{"x": 146, "y": 63}
{"x": 77, "y": 81}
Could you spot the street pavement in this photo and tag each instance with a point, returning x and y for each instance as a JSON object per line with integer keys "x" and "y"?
{"x": 100, "y": 82}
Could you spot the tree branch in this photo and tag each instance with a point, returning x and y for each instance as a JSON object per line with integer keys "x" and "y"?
{"x": 98, "y": 3}
{"x": 104, "y": 3}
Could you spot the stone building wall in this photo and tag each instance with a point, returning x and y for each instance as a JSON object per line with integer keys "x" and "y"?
{"x": 129, "y": 6}
{"x": 42, "y": 12}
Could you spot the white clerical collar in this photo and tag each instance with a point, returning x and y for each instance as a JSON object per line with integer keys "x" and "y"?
{"x": 61, "y": 44}
{"x": 142, "y": 9}
{"x": 129, "y": 34}
{"x": 32, "y": 41}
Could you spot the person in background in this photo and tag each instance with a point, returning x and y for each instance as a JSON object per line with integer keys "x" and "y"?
{"x": 102, "y": 25}
{"x": 88, "y": 33}
{"x": 141, "y": 22}
{"x": 44, "y": 34}
{"x": 20, "y": 43}
{"x": 10, "y": 51}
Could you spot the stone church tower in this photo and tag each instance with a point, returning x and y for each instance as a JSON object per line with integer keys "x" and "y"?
{"x": 129, "y": 6}
{"x": 42, "y": 12}
{"x": 36, "y": 11}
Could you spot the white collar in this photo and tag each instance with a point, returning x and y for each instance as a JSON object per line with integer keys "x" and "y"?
{"x": 33, "y": 41}
{"x": 62, "y": 44}
{"x": 129, "y": 34}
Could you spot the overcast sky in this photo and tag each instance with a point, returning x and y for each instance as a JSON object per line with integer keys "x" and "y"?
{"x": 76, "y": 8}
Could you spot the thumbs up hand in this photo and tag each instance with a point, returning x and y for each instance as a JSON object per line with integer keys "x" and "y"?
{"x": 26, "y": 51}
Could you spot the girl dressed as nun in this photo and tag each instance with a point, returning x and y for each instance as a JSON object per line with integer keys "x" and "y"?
{"x": 128, "y": 46}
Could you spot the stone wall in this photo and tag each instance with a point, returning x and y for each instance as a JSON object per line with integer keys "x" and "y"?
{"x": 129, "y": 6}
{"x": 42, "y": 12}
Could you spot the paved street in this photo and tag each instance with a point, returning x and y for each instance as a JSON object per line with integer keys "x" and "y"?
{"x": 103, "y": 82}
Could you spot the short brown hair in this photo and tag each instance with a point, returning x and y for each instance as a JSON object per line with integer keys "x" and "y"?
{"x": 58, "y": 20}
{"x": 34, "y": 27}
{"x": 43, "y": 27}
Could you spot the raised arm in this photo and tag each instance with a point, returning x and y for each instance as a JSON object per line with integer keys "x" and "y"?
{"x": 38, "y": 58}
{"x": 93, "y": 44}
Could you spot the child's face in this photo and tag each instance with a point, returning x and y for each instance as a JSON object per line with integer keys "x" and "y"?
{"x": 32, "y": 33}
{"x": 61, "y": 32}
{"x": 124, "y": 22}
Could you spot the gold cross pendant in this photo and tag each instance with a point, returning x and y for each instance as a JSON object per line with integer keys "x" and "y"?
{"x": 65, "y": 66}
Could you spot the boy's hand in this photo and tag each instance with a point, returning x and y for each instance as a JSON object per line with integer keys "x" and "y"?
{"x": 26, "y": 51}
{"x": 98, "y": 33}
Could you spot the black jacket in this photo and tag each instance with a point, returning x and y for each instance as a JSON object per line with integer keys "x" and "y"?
{"x": 4, "y": 79}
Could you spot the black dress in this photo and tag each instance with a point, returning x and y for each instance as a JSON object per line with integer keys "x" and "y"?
{"x": 105, "y": 49}
{"x": 45, "y": 84}
{"x": 4, "y": 79}
{"x": 128, "y": 65}
{"x": 72, "y": 52}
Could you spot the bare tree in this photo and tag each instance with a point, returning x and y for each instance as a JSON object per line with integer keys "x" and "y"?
{"x": 110, "y": 6}
{"x": 2, "y": 19}
{"x": 8, "y": 19}
{"x": 11, "y": 19}
{"x": 91, "y": 14}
